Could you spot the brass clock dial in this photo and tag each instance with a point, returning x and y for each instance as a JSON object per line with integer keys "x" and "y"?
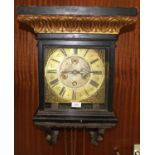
{"x": 74, "y": 74}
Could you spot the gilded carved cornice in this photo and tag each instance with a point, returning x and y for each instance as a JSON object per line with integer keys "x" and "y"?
{"x": 76, "y": 23}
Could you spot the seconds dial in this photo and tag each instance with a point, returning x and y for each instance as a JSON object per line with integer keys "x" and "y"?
{"x": 74, "y": 74}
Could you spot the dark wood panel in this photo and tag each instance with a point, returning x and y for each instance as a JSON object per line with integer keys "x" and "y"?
{"x": 29, "y": 140}
{"x": 74, "y": 10}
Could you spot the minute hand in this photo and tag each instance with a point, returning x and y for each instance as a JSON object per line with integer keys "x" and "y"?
{"x": 94, "y": 72}
{"x": 66, "y": 72}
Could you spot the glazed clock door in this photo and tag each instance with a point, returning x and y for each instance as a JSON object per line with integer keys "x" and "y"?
{"x": 74, "y": 74}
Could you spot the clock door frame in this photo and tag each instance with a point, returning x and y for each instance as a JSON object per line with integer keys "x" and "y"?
{"x": 96, "y": 119}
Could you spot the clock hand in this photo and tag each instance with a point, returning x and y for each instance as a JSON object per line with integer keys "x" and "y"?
{"x": 63, "y": 72}
{"x": 83, "y": 71}
{"x": 71, "y": 72}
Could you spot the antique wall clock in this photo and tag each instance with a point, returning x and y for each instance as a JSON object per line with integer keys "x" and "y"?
{"x": 76, "y": 53}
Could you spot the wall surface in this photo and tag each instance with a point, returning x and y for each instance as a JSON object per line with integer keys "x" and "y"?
{"x": 29, "y": 140}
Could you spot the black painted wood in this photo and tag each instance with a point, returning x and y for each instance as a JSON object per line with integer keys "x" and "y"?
{"x": 75, "y": 36}
{"x": 74, "y": 10}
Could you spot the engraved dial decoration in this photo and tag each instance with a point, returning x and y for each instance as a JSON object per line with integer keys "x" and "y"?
{"x": 74, "y": 74}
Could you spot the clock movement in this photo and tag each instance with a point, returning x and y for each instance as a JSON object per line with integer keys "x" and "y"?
{"x": 76, "y": 55}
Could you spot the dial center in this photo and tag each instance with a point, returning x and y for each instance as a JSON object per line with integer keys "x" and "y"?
{"x": 74, "y": 72}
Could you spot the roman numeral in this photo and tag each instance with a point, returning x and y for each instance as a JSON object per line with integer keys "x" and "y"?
{"x": 86, "y": 92}
{"x": 64, "y": 52}
{"x": 55, "y": 60}
{"x": 62, "y": 92}
{"x": 73, "y": 95}
{"x": 97, "y": 72}
{"x": 93, "y": 61}
{"x": 54, "y": 82}
{"x": 75, "y": 51}
{"x": 94, "y": 83}
{"x": 85, "y": 53}
{"x": 52, "y": 71}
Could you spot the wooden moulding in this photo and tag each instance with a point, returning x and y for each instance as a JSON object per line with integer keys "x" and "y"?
{"x": 73, "y": 19}
{"x": 76, "y": 23}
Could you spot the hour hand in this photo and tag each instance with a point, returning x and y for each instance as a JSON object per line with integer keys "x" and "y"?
{"x": 84, "y": 71}
{"x": 64, "y": 72}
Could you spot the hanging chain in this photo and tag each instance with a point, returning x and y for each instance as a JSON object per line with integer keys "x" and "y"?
{"x": 65, "y": 136}
{"x": 83, "y": 141}
{"x": 71, "y": 146}
{"x": 75, "y": 140}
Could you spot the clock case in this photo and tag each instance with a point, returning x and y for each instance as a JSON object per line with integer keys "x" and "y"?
{"x": 96, "y": 120}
